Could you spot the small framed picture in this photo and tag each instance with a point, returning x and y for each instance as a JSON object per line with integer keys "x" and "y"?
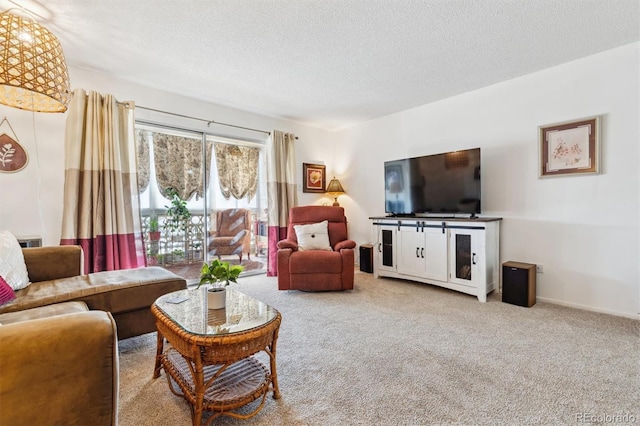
{"x": 313, "y": 178}
{"x": 570, "y": 148}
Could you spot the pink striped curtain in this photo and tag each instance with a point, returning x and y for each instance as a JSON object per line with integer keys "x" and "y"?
{"x": 281, "y": 190}
{"x": 101, "y": 210}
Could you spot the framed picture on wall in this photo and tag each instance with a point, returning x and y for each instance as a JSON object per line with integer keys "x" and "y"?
{"x": 570, "y": 148}
{"x": 313, "y": 178}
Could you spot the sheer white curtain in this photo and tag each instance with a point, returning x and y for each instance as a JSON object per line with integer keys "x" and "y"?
{"x": 281, "y": 189}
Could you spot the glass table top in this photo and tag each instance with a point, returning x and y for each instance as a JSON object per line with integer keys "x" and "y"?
{"x": 242, "y": 312}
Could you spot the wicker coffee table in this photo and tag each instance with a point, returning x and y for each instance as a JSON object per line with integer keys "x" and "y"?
{"x": 211, "y": 357}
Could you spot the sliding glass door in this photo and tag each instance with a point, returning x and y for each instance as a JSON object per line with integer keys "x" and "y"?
{"x": 190, "y": 183}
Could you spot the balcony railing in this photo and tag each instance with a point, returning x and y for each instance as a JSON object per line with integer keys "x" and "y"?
{"x": 189, "y": 244}
{"x": 185, "y": 245}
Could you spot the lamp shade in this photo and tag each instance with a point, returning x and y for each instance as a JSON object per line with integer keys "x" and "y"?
{"x": 33, "y": 71}
{"x": 335, "y": 187}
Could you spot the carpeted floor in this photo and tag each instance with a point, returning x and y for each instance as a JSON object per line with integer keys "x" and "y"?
{"x": 394, "y": 352}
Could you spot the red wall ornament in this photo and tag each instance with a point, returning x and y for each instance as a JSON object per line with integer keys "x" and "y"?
{"x": 13, "y": 157}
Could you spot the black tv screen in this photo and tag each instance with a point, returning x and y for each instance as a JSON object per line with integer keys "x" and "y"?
{"x": 446, "y": 183}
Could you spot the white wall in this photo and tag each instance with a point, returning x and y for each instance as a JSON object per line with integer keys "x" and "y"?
{"x": 31, "y": 200}
{"x": 584, "y": 230}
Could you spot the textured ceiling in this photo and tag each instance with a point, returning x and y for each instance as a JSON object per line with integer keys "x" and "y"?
{"x": 331, "y": 63}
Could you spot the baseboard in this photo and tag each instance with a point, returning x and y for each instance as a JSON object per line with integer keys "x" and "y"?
{"x": 590, "y": 308}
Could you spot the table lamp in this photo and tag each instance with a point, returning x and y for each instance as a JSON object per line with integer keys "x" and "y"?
{"x": 335, "y": 188}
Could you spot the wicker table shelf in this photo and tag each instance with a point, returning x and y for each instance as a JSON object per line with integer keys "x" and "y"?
{"x": 212, "y": 364}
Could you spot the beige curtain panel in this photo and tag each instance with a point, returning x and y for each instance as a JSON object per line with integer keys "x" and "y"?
{"x": 237, "y": 170}
{"x": 101, "y": 211}
{"x": 282, "y": 191}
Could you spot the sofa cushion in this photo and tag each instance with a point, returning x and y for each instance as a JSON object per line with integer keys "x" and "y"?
{"x": 112, "y": 291}
{"x": 227, "y": 241}
{"x": 322, "y": 262}
{"x": 314, "y": 236}
{"x": 43, "y": 312}
{"x": 12, "y": 266}
{"x": 6, "y": 292}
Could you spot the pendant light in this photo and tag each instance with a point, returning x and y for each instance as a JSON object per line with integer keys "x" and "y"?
{"x": 33, "y": 71}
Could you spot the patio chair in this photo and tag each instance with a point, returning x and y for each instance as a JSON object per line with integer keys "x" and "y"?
{"x": 232, "y": 234}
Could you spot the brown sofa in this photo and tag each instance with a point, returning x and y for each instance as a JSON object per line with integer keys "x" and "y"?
{"x": 59, "y": 366}
{"x": 55, "y": 275}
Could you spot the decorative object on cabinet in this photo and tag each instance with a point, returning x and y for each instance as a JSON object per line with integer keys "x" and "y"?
{"x": 33, "y": 71}
{"x": 335, "y": 189}
{"x": 13, "y": 157}
{"x": 313, "y": 177}
{"x": 570, "y": 148}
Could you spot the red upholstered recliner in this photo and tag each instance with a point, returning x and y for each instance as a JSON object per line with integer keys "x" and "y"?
{"x": 316, "y": 270}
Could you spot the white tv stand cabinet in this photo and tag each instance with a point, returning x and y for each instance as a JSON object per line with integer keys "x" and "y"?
{"x": 460, "y": 254}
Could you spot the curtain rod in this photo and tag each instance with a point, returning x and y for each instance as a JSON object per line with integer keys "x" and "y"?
{"x": 209, "y": 122}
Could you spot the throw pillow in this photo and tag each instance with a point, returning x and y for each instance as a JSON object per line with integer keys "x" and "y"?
{"x": 6, "y": 292}
{"x": 314, "y": 236}
{"x": 12, "y": 266}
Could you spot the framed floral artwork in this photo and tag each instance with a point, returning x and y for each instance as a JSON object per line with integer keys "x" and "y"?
{"x": 570, "y": 148}
{"x": 313, "y": 177}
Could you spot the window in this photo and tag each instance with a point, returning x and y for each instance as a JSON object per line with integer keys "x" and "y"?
{"x": 177, "y": 174}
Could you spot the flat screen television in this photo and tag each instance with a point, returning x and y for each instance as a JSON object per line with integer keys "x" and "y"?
{"x": 447, "y": 183}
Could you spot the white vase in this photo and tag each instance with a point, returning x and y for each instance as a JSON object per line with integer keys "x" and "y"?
{"x": 216, "y": 298}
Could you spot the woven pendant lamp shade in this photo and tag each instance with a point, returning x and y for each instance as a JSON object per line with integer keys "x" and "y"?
{"x": 33, "y": 72}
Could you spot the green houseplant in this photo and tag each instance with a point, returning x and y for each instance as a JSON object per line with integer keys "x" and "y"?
{"x": 219, "y": 275}
{"x": 177, "y": 213}
{"x": 154, "y": 233}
